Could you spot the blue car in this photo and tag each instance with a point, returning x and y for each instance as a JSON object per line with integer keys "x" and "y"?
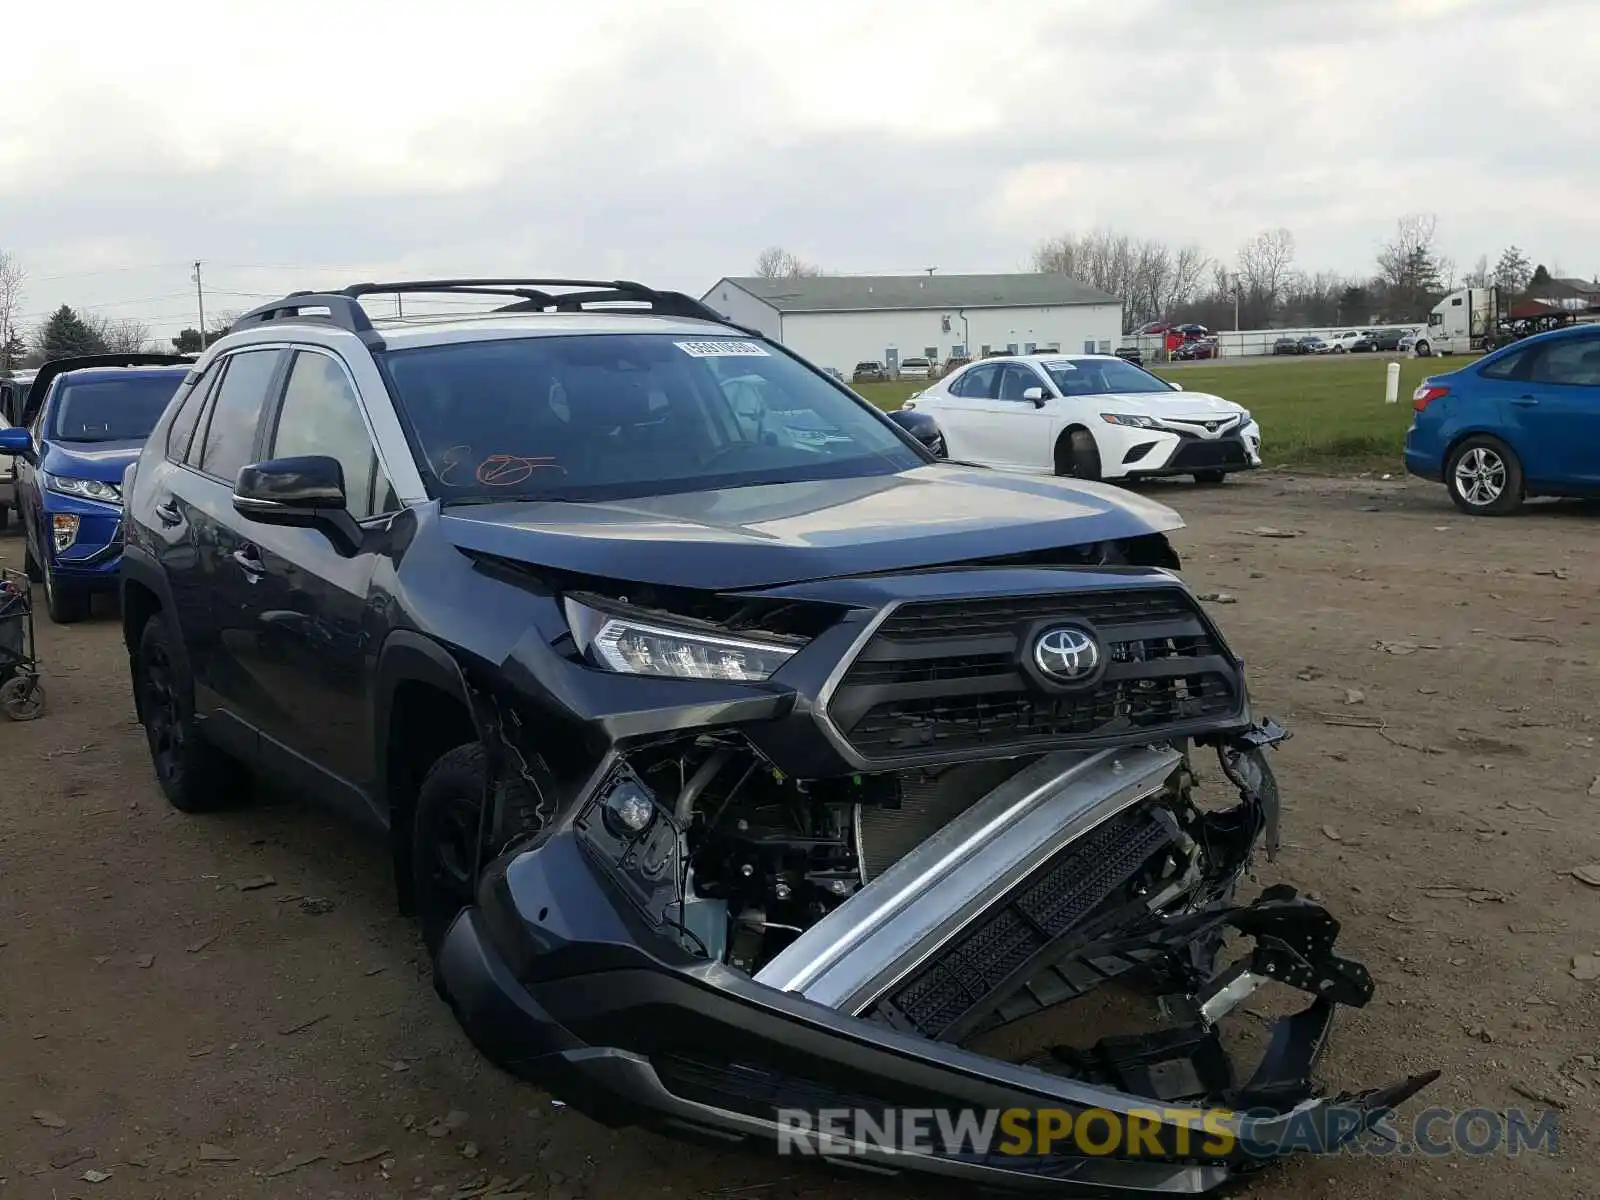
{"x": 1522, "y": 421}
{"x": 83, "y": 422}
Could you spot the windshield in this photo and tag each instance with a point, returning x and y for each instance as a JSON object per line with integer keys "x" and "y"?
{"x": 1100, "y": 377}
{"x": 618, "y": 415}
{"x": 118, "y": 408}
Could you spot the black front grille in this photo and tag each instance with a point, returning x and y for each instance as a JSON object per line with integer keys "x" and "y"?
{"x": 1201, "y": 455}
{"x": 942, "y": 677}
{"x": 973, "y": 618}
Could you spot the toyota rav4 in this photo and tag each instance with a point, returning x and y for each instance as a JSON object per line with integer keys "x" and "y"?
{"x": 739, "y": 757}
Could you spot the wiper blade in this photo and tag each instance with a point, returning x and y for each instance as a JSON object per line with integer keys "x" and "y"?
{"x": 509, "y": 498}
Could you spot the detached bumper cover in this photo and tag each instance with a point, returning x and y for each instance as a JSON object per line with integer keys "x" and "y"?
{"x": 551, "y": 979}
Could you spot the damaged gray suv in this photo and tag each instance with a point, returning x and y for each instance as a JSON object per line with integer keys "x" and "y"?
{"x": 754, "y": 773}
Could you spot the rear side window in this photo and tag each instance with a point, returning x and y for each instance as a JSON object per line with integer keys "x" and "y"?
{"x": 231, "y": 428}
{"x": 979, "y": 382}
{"x": 1509, "y": 367}
{"x": 181, "y": 432}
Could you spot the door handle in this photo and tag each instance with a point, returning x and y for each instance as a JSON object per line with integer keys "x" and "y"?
{"x": 168, "y": 513}
{"x": 1526, "y": 401}
{"x": 249, "y": 560}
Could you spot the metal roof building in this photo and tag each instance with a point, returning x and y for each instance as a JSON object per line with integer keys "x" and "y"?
{"x": 839, "y": 320}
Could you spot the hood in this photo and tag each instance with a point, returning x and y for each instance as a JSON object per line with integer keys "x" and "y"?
{"x": 1169, "y": 404}
{"x": 103, "y": 461}
{"x": 747, "y": 537}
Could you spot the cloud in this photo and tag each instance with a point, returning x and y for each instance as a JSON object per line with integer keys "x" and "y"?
{"x": 670, "y": 141}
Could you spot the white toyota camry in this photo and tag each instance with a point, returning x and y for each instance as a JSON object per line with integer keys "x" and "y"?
{"x": 1091, "y": 416}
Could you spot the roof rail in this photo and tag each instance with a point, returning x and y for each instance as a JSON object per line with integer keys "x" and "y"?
{"x": 525, "y": 295}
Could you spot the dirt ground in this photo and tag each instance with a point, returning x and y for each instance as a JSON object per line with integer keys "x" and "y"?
{"x": 169, "y": 1024}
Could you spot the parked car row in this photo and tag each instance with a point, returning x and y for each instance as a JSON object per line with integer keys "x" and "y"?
{"x": 917, "y": 367}
{"x": 1351, "y": 341}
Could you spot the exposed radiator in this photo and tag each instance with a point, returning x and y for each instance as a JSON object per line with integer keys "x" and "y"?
{"x": 928, "y": 802}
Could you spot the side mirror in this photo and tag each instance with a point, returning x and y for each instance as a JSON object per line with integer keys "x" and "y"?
{"x": 16, "y": 441}
{"x": 1036, "y": 394}
{"x": 1177, "y": 387}
{"x": 301, "y": 493}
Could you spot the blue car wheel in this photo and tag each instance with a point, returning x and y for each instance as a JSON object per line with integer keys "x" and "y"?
{"x": 65, "y": 603}
{"x": 1484, "y": 477}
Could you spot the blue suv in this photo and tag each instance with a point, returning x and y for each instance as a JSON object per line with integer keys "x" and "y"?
{"x": 1522, "y": 421}
{"x": 83, "y": 422}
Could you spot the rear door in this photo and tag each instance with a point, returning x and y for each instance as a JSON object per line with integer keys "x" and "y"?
{"x": 170, "y": 529}
{"x": 959, "y": 406}
{"x": 225, "y": 441}
{"x": 313, "y": 622}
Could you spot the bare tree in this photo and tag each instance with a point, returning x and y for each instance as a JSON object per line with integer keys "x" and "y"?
{"x": 1265, "y": 263}
{"x": 777, "y": 263}
{"x": 121, "y": 336}
{"x": 1480, "y": 276}
{"x": 1187, "y": 269}
{"x": 12, "y": 277}
{"x": 1409, "y": 267}
{"x": 1148, "y": 276}
{"x": 1513, "y": 270}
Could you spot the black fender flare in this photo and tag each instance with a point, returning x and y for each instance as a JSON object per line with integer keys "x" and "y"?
{"x": 411, "y": 657}
{"x": 407, "y": 656}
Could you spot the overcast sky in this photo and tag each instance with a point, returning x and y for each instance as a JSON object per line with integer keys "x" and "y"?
{"x": 297, "y": 144}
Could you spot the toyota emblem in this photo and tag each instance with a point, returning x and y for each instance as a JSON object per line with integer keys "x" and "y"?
{"x": 1066, "y": 653}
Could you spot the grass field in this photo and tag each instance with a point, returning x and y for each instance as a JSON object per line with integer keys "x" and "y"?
{"x": 1318, "y": 414}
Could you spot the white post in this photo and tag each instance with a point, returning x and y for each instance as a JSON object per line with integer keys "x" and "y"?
{"x": 1391, "y": 389}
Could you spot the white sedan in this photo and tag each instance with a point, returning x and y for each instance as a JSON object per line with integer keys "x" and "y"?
{"x": 1091, "y": 416}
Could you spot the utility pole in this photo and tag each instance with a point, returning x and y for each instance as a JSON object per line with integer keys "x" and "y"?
{"x": 200, "y": 301}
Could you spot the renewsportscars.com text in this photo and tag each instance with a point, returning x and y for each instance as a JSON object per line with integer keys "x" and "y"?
{"x": 1166, "y": 1132}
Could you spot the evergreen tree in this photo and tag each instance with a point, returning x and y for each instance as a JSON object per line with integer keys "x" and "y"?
{"x": 14, "y": 353}
{"x": 66, "y": 335}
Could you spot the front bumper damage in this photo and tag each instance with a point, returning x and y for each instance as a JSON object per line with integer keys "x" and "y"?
{"x": 1012, "y": 910}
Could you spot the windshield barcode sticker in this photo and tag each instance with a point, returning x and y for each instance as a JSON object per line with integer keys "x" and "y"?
{"x": 722, "y": 348}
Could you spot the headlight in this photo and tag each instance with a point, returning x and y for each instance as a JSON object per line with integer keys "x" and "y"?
{"x": 1244, "y": 417}
{"x": 631, "y": 646}
{"x": 1126, "y": 419}
{"x": 85, "y": 489}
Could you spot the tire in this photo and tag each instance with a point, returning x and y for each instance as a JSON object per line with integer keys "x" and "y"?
{"x": 22, "y": 697}
{"x": 1422, "y": 350}
{"x": 5, "y": 516}
{"x": 444, "y": 832}
{"x": 1077, "y": 456}
{"x": 66, "y": 606}
{"x": 195, "y": 776}
{"x": 1484, "y": 477}
{"x": 30, "y": 565}
{"x": 1210, "y": 477}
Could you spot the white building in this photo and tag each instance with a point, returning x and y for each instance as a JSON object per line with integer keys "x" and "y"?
{"x": 840, "y": 320}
